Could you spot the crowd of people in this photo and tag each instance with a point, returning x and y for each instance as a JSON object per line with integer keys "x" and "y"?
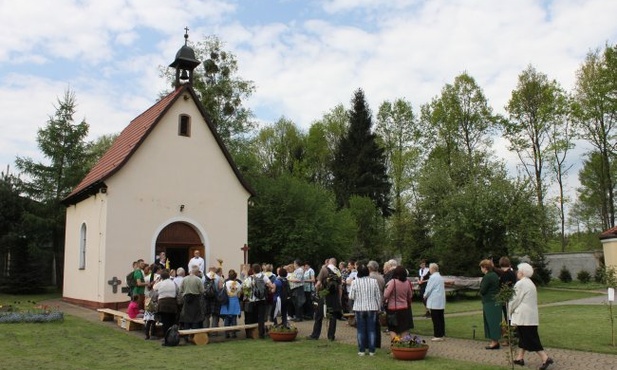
{"x": 295, "y": 292}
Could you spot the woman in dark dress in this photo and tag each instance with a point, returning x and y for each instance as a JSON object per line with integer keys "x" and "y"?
{"x": 489, "y": 287}
{"x": 507, "y": 277}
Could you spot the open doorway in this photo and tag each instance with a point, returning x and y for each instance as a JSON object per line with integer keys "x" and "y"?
{"x": 178, "y": 240}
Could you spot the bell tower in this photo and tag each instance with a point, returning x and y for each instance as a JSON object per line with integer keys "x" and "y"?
{"x": 184, "y": 63}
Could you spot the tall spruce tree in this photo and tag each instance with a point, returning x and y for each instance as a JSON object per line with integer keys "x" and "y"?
{"x": 359, "y": 166}
{"x": 63, "y": 143}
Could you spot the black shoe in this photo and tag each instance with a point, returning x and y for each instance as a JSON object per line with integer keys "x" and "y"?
{"x": 520, "y": 362}
{"x": 310, "y": 337}
{"x": 492, "y": 347}
{"x": 546, "y": 363}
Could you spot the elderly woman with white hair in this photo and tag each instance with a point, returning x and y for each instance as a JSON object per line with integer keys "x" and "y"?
{"x": 388, "y": 269}
{"x": 435, "y": 297}
{"x": 523, "y": 310}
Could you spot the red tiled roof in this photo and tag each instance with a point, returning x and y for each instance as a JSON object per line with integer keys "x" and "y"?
{"x": 129, "y": 140}
{"x": 610, "y": 233}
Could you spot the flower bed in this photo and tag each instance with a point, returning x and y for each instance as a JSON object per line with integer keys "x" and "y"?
{"x": 38, "y": 314}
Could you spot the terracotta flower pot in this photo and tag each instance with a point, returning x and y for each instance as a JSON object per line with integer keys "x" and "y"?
{"x": 409, "y": 354}
{"x": 283, "y": 336}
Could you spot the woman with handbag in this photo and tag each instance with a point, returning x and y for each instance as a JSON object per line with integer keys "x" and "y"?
{"x": 398, "y": 295}
{"x": 167, "y": 306}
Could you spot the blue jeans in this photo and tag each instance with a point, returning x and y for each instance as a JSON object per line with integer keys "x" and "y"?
{"x": 367, "y": 336}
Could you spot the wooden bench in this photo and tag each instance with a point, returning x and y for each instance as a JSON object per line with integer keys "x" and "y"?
{"x": 122, "y": 319}
{"x": 200, "y": 336}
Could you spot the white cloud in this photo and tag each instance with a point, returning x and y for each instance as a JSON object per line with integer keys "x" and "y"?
{"x": 87, "y": 30}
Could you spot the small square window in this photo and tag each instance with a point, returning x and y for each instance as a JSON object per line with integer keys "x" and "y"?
{"x": 184, "y": 126}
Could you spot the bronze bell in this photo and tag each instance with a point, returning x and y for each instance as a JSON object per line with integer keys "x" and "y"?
{"x": 184, "y": 76}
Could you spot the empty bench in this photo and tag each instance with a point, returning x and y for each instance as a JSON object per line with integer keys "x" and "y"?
{"x": 122, "y": 319}
{"x": 200, "y": 336}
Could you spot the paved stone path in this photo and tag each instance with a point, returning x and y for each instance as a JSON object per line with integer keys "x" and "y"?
{"x": 455, "y": 349}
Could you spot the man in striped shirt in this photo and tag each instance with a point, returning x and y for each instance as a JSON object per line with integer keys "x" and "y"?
{"x": 366, "y": 297}
{"x": 373, "y": 268}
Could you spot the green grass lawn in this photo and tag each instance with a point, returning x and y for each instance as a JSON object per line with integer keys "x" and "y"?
{"x": 471, "y": 301}
{"x": 575, "y": 284}
{"x": 584, "y": 328}
{"x": 25, "y": 302}
{"x": 79, "y": 344}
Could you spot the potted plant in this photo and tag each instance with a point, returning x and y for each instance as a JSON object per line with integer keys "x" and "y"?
{"x": 283, "y": 333}
{"x": 408, "y": 347}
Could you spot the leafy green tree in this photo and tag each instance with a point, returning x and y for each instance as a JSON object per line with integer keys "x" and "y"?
{"x": 222, "y": 92}
{"x": 369, "y": 240}
{"x": 561, "y": 140}
{"x": 291, "y": 218}
{"x": 359, "y": 162}
{"x": 592, "y": 208}
{"x": 11, "y": 212}
{"x": 538, "y": 131}
{"x": 279, "y": 148}
{"x": 99, "y": 146}
{"x": 459, "y": 120}
{"x": 63, "y": 143}
{"x": 488, "y": 218}
{"x": 595, "y": 96}
{"x": 585, "y": 220}
{"x": 399, "y": 133}
{"x": 323, "y": 137}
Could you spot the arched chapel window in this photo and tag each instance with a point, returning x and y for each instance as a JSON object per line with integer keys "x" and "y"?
{"x": 82, "y": 247}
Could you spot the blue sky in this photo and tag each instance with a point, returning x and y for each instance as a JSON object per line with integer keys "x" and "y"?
{"x": 305, "y": 57}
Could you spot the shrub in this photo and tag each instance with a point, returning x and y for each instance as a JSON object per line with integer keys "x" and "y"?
{"x": 541, "y": 273}
{"x": 583, "y": 276}
{"x": 600, "y": 274}
{"x": 565, "y": 275}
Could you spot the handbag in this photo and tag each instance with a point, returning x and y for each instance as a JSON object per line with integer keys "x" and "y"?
{"x": 179, "y": 297}
{"x": 248, "y": 306}
{"x": 391, "y": 316}
{"x": 222, "y": 296}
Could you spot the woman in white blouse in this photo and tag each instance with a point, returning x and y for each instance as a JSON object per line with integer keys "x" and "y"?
{"x": 523, "y": 309}
{"x": 366, "y": 298}
{"x": 435, "y": 297}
